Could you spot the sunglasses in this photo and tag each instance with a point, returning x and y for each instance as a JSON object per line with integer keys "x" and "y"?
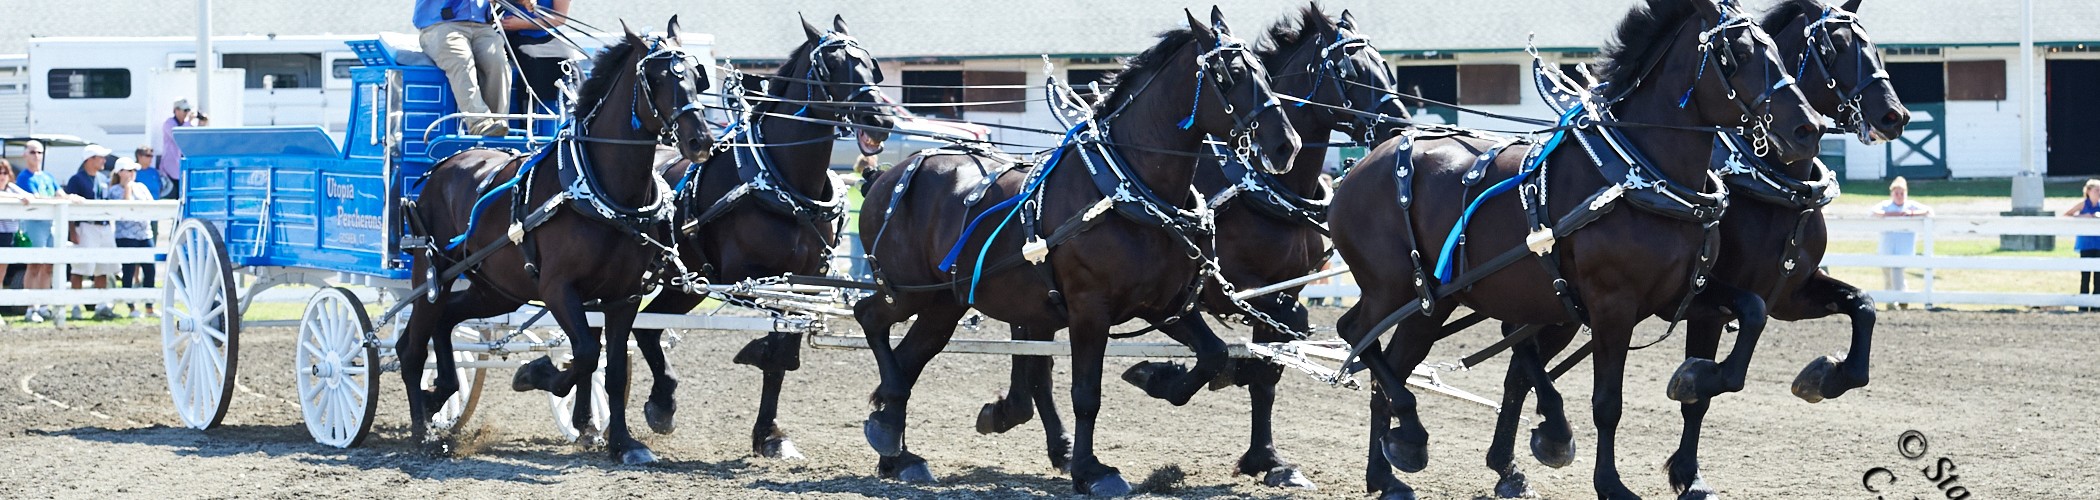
{"x": 33, "y": 152}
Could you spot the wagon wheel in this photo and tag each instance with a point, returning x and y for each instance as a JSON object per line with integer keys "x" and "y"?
{"x": 200, "y": 325}
{"x": 459, "y": 408}
{"x": 564, "y": 406}
{"x": 335, "y": 368}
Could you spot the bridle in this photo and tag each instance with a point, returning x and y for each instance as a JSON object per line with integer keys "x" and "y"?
{"x": 1851, "y": 116}
{"x": 1713, "y": 46}
{"x": 1244, "y": 125}
{"x": 816, "y": 76}
{"x": 667, "y": 129}
{"x": 1333, "y": 69}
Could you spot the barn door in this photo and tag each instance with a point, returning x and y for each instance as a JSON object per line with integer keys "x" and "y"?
{"x": 1921, "y": 153}
{"x": 2074, "y": 112}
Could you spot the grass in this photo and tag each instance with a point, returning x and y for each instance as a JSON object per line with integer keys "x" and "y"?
{"x": 1860, "y": 196}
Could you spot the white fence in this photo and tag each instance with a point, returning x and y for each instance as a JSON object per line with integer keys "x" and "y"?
{"x": 62, "y": 254}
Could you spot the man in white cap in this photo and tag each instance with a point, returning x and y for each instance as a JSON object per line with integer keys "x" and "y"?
{"x": 169, "y": 163}
{"x": 92, "y": 183}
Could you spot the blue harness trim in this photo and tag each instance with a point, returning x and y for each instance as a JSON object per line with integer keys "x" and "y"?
{"x": 1444, "y": 263}
{"x": 977, "y": 272}
{"x": 482, "y": 204}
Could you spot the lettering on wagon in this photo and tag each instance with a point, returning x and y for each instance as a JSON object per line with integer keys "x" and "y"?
{"x": 348, "y": 227}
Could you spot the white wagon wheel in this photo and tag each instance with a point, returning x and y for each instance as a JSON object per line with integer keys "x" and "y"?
{"x": 565, "y": 406}
{"x": 200, "y": 324}
{"x": 459, "y": 408}
{"x": 336, "y": 369}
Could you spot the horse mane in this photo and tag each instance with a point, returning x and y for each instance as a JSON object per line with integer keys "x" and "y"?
{"x": 1127, "y": 80}
{"x": 787, "y": 69}
{"x": 1288, "y": 35}
{"x": 1785, "y": 13}
{"x": 1641, "y": 37}
{"x": 604, "y": 69}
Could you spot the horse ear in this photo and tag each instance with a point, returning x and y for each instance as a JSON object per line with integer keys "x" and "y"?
{"x": 808, "y": 29}
{"x": 1201, "y": 30}
{"x": 1348, "y": 21}
{"x": 1217, "y": 21}
{"x": 838, "y": 24}
{"x": 671, "y": 30}
{"x": 1707, "y": 8}
{"x": 1851, "y": 6}
{"x": 631, "y": 37}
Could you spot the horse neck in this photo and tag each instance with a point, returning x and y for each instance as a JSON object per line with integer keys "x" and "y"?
{"x": 1149, "y": 121}
{"x": 803, "y": 166}
{"x": 626, "y": 172}
{"x": 1304, "y": 176}
{"x": 1680, "y": 154}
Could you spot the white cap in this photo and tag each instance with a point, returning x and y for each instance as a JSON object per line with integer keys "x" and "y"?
{"x": 96, "y": 150}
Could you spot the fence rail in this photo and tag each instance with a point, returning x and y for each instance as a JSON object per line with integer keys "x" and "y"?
{"x": 63, "y": 254}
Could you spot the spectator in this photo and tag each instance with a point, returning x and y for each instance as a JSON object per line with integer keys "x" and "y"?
{"x": 539, "y": 53}
{"x": 462, "y": 38}
{"x": 93, "y": 184}
{"x": 169, "y": 164}
{"x": 148, "y": 174}
{"x": 2088, "y": 245}
{"x": 40, "y": 184}
{"x": 1899, "y": 204}
{"x": 124, "y": 185}
{"x": 10, "y": 229}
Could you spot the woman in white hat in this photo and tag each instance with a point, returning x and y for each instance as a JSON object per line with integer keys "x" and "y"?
{"x": 124, "y": 185}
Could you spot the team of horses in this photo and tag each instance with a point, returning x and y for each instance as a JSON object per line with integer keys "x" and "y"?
{"x": 1681, "y": 184}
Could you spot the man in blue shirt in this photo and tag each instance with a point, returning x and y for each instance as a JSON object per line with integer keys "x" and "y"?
{"x": 461, "y": 37}
{"x": 37, "y": 182}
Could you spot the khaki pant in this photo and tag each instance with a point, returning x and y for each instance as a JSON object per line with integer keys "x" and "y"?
{"x": 472, "y": 56}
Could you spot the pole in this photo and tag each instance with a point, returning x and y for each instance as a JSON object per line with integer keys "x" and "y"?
{"x": 2027, "y": 184}
{"x": 205, "y": 61}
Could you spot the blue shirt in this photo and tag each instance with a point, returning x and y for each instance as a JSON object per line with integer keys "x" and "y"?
{"x": 2088, "y": 242}
{"x": 39, "y": 183}
{"x": 430, "y": 12}
{"x": 545, "y": 6}
{"x": 87, "y": 186}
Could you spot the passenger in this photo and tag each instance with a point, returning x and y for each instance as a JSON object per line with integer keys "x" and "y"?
{"x": 462, "y": 38}
{"x": 2088, "y": 245}
{"x": 539, "y": 54}
{"x": 92, "y": 183}
{"x": 41, "y": 185}
{"x": 168, "y": 167}
{"x": 124, "y": 185}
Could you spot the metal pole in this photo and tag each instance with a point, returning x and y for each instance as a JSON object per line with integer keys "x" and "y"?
{"x": 205, "y": 61}
{"x": 2027, "y": 186}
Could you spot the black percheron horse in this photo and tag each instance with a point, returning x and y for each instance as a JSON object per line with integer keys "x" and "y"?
{"x": 767, "y": 207}
{"x": 1771, "y": 248}
{"x": 1109, "y": 229}
{"x": 1271, "y": 228}
{"x": 597, "y": 202}
{"x": 1678, "y": 69}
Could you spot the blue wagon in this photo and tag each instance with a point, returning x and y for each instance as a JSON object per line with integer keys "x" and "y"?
{"x": 270, "y": 206}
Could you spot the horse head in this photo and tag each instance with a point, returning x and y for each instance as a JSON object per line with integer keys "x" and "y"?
{"x": 1243, "y": 110}
{"x": 1840, "y": 69}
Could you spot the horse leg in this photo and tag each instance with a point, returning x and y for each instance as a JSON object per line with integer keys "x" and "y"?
{"x": 1700, "y": 378}
{"x": 1831, "y": 376}
{"x": 1408, "y": 447}
{"x": 1260, "y": 377}
{"x": 1016, "y": 406}
{"x": 1702, "y": 340}
{"x": 1553, "y": 441}
{"x": 1056, "y": 440}
{"x": 662, "y": 406}
{"x": 431, "y": 326}
{"x": 1172, "y": 381}
{"x": 774, "y": 355}
{"x": 1606, "y": 402}
{"x": 885, "y": 427}
{"x": 1353, "y": 326}
{"x": 1089, "y": 334}
{"x": 619, "y": 440}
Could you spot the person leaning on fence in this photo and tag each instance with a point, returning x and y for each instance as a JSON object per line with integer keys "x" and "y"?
{"x": 11, "y": 229}
{"x": 2088, "y": 245}
{"x": 93, "y": 184}
{"x": 124, "y": 184}
{"x": 1899, "y": 243}
{"x": 40, "y": 184}
{"x": 462, "y": 38}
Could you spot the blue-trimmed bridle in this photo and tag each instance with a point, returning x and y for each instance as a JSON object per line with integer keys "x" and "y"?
{"x": 1713, "y": 41}
{"x": 1819, "y": 46}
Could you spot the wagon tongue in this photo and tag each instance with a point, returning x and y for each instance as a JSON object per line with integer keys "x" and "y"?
{"x": 871, "y": 141}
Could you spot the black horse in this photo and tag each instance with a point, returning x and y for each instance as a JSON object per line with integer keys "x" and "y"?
{"x": 593, "y": 197}
{"x": 1772, "y": 241}
{"x": 1271, "y": 228}
{"x": 766, "y": 207}
{"x": 1109, "y": 229}
{"x": 1678, "y": 69}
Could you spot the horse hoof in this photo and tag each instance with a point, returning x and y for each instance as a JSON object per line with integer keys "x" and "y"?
{"x": 1698, "y": 490}
{"x": 886, "y": 441}
{"x": 1555, "y": 453}
{"x": 638, "y": 456}
{"x": 538, "y": 375}
{"x": 916, "y": 473}
{"x": 994, "y": 419}
{"x": 659, "y": 417}
{"x": 1514, "y": 486}
{"x": 588, "y": 438}
{"x": 779, "y": 448}
{"x": 1408, "y": 457}
{"x": 1399, "y": 494}
{"x": 1288, "y": 478}
{"x": 1111, "y": 485}
{"x": 1153, "y": 377}
{"x": 1060, "y": 451}
{"x": 1685, "y": 383}
{"x": 1823, "y": 379}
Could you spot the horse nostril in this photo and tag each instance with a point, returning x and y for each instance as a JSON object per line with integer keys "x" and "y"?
{"x": 1893, "y": 118}
{"x": 1807, "y": 132}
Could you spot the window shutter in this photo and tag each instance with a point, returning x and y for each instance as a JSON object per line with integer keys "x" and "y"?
{"x": 1976, "y": 80}
{"x": 1489, "y": 84}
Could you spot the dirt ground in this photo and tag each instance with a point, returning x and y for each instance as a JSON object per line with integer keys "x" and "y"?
{"x": 2004, "y": 398}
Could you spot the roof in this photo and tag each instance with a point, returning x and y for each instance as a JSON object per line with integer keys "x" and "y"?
{"x": 766, "y": 29}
